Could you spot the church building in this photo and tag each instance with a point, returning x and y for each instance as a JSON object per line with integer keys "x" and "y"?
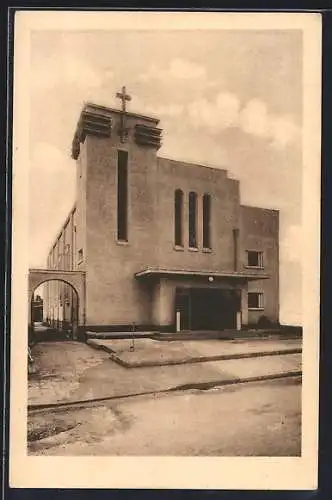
{"x": 165, "y": 245}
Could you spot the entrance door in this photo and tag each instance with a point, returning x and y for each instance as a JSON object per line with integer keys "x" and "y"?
{"x": 213, "y": 309}
{"x": 207, "y": 308}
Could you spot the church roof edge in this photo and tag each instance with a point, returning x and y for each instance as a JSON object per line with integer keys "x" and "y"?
{"x": 255, "y": 207}
{"x": 194, "y": 164}
{"x": 119, "y": 112}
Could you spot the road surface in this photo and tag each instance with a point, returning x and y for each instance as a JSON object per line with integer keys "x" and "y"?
{"x": 252, "y": 419}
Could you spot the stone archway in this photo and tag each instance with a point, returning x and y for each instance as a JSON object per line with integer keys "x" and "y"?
{"x": 76, "y": 279}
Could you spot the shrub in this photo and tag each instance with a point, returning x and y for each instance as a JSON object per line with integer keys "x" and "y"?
{"x": 264, "y": 322}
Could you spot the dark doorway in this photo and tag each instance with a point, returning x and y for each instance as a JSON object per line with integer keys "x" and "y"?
{"x": 207, "y": 308}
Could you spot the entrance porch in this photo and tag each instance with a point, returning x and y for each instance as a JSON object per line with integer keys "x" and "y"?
{"x": 198, "y": 300}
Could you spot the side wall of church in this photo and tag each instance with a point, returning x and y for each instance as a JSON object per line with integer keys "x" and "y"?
{"x": 259, "y": 231}
{"x": 60, "y": 298}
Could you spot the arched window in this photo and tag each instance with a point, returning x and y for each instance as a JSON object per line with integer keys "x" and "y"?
{"x": 178, "y": 218}
{"x": 192, "y": 220}
{"x": 206, "y": 221}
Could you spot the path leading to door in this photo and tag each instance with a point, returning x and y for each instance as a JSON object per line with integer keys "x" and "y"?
{"x": 72, "y": 371}
{"x": 146, "y": 352}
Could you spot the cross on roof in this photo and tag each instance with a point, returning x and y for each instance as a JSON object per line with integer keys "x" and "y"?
{"x": 124, "y": 97}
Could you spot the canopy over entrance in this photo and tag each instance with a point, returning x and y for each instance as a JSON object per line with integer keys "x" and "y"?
{"x": 156, "y": 272}
{"x": 188, "y": 299}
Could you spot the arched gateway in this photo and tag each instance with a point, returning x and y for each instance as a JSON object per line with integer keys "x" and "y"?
{"x": 76, "y": 279}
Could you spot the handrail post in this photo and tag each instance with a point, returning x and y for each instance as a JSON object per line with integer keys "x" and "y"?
{"x": 132, "y": 345}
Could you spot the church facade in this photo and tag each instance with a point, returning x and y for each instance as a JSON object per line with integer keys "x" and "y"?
{"x": 164, "y": 245}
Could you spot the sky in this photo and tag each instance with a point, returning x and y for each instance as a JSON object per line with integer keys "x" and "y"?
{"x": 225, "y": 98}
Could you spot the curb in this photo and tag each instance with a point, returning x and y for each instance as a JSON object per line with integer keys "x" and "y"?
{"x": 179, "y": 388}
{"x": 202, "y": 359}
{"x": 244, "y": 380}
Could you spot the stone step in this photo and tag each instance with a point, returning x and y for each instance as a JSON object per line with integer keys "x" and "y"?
{"x": 119, "y": 335}
{"x": 197, "y": 335}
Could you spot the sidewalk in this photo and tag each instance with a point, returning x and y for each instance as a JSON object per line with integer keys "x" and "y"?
{"x": 72, "y": 371}
{"x": 140, "y": 353}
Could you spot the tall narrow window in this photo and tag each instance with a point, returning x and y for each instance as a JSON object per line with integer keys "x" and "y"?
{"x": 178, "y": 218}
{"x": 206, "y": 221}
{"x": 235, "y": 247}
{"x": 192, "y": 220}
{"x": 122, "y": 196}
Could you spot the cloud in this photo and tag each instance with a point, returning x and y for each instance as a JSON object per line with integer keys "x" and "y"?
{"x": 228, "y": 106}
{"x": 254, "y": 118}
{"x": 168, "y": 110}
{"x": 202, "y": 114}
{"x": 190, "y": 82}
{"x": 186, "y": 70}
{"x": 225, "y": 111}
{"x": 178, "y": 69}
{"x": 62, "y": 70}
{"x": 284, "y": 131}
{"x": 219, "y": 114}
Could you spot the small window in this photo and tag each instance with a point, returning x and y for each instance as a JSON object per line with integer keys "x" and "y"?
{"x": 255, "y": 300}
{"x": 254, "y": 259}
{"x": 80, "y": 254}
{"x": 192, "y": 220}
{"x": 178, "y": 218}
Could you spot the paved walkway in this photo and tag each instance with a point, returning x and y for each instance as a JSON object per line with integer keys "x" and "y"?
{"x": 146, "y": 352}
{"x": 73, "y": 371}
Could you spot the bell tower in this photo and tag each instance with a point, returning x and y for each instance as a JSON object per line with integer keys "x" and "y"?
{"x": 116, "y": 154}
{"x": 108, "y": 123}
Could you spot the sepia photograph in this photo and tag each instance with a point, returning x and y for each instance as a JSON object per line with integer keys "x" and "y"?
{"x": 166, "y": 197}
